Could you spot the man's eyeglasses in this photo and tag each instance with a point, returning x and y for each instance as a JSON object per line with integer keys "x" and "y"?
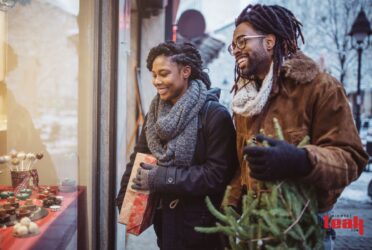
{"x": 240, "y": 43}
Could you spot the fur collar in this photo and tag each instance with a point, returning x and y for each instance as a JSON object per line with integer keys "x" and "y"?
{"x": 300, "y": 68}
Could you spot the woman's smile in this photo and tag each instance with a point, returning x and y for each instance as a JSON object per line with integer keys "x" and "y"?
{"x": 162, "y": 90}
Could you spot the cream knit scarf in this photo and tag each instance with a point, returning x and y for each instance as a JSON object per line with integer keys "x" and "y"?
{"x": 248, "y": 101}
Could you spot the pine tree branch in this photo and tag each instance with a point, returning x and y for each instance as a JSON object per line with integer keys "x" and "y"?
{"x": 298, "y": 218}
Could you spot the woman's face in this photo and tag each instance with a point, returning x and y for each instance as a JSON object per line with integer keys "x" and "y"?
{"x": 169, "y": 78}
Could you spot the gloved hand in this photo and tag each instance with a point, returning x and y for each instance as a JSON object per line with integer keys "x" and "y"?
{"x": 278, "y": 162}
{"x": 145, "y": 177}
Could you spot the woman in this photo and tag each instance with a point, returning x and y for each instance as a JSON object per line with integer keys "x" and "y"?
{"x": 193, "y": 139}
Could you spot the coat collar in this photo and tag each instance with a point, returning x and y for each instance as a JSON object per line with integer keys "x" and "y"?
{"x": 300, "y": 68}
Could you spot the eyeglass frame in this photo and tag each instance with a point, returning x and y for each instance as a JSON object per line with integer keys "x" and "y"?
{"x": 230, "y": 48}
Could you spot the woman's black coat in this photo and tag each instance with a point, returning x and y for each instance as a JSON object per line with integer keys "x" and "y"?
{"x": 213, "y": 166}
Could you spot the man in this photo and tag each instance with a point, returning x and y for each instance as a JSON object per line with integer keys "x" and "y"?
{"x": 274, "y": 79}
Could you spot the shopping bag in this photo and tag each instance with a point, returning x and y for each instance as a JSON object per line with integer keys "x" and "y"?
{"x": 138, "y": 207}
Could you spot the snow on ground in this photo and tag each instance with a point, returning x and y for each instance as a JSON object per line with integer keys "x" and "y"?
{"x": 357, "y": 191}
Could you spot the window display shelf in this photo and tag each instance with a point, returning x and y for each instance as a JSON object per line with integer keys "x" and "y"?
{"x": 57, "y": 228}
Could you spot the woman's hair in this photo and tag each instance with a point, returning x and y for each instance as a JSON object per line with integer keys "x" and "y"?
{"x": 273, "y": 19}
{"x": 183, "y": 54}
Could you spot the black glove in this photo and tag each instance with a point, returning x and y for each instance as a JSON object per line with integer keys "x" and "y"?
{"x": 145, "y": 177}
{"x": 278, "y": 162}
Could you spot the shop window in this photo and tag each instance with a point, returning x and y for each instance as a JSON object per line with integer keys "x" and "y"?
{"x": 46, "y": 110}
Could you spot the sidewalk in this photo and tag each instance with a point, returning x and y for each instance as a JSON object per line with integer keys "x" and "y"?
{"x": 354, "y": 201}
{"x": 348, "y": 239}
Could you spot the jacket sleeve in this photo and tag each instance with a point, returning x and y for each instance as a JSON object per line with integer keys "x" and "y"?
{"x": 140, "y": 147}
{"x": 336, "y": 152}
{"x": 221, "y": 161}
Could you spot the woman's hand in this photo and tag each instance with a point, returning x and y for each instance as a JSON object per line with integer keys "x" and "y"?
{"x": 145, "y": 177}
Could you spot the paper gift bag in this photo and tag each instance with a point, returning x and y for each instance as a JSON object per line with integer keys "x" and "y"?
{"x": 138, "y": 207}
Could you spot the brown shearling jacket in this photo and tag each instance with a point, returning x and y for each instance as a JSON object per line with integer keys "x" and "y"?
{"x": 308, "y": 102}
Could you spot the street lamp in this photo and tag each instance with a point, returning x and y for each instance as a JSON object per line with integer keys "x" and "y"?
{"x": 359, "y": 31}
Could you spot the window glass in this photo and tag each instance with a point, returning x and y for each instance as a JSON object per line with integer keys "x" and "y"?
{"x": 46, "y": 95}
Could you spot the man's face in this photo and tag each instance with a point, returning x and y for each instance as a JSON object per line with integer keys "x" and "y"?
{"x": 169, "y": 78}
{"x": 254, "y": 59}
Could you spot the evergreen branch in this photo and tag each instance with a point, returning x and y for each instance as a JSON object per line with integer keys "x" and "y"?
{"x": 304, "y": 141}
{"x": 275, "y": 215}
{"x": 217, "y": 229}
{"x": 278, "y": 129}
{"x": 215, "y": 212}
{"x": 298, "y": 218}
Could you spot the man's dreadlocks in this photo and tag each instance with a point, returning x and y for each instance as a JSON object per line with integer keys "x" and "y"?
{"x": 276, "y": 20}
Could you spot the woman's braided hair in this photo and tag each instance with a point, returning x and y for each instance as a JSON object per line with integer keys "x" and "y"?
{"x": 276, "y": 20}
{"x": 183, "y": 54}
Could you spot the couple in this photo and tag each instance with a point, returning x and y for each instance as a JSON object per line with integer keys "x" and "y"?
{"x": 194, "y": 141}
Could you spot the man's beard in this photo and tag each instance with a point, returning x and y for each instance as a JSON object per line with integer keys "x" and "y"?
{"x": 256, "y": 63}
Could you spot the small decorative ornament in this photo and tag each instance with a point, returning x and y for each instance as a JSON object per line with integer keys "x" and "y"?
{"x": 55, "y": 208}
{"x": 26, "y": 190}
{"x": 23, "y": 196}
{"x": 9, "y": 208}
{"x": 25, "y": 228}
{"x": 60, "y": 197}
{"x": 13, "y": 154}
{"x": 39, "y": 156}
{"x": 31, "y": 156}
{"x": 6, "y": 194}
{"x": 22, "y": 230}
{"x": 51, "y": 200}
{"x": 13, "y": 201}
{"x": 33, "y": 228}
{"x": 25, "y": 221}
{"x": 21, "y": 156}
{"x": 259, "y": 243}
{"x": 29, "y": 204}
{"x": 23, "y": 212}
{"x": 68, "y": 186}
{"x": 15, "y": 161}
{"x": 4, "y": 216}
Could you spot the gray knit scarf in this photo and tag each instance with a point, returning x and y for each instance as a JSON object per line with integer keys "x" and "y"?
{"x": 171, "y": 130}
